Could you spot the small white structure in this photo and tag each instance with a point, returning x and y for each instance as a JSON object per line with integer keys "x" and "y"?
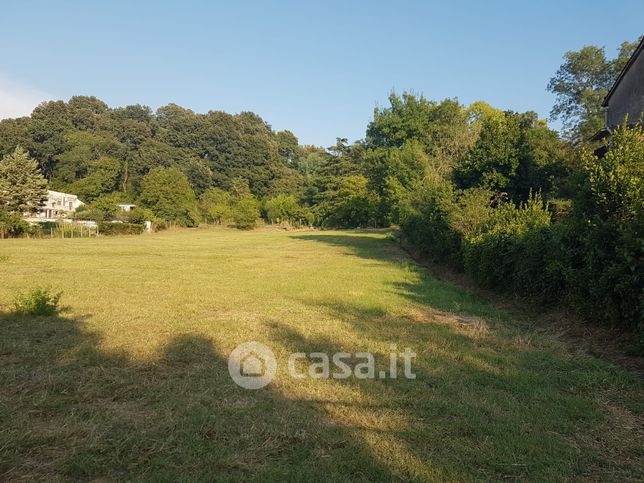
{"x": 127, "y": 207}
{"x": 58, "y": 205}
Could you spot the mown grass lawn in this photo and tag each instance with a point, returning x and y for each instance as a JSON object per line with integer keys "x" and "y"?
{"x": 131, "y": 382}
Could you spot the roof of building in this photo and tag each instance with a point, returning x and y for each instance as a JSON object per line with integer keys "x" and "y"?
{"x": 61, "y": 193}
{"x": 631, "y": 61}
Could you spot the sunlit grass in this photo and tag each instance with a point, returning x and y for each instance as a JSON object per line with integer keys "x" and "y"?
{"x": 130, "y": 381}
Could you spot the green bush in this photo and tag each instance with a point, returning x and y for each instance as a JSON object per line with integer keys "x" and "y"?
{"x": 590, "y": 258}
{"x": 425, "y": 220}
{"x": 138, "y": 216}
{"x": 286, "y": 209}
{"x": 245, "y": 213}
{"x": 609, "y": 215}
{"x": 492, "y": 256}
{"x": 101, "y": 209}
{"x": 37, "y": 301}
{"x": 215, "y": 206}
{"x": 12, "y": 225}
{"x": 111, "y": 229}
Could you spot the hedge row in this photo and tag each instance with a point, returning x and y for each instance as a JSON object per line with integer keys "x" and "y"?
{"x": 591, "y": 260}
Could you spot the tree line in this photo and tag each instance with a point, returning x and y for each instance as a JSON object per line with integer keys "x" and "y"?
{"x": 498, "y": 193}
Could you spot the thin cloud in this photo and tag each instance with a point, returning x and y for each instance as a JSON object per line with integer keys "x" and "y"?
{"x": 18, "y": 100}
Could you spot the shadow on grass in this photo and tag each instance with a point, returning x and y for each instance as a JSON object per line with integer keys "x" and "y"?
{"x": 72, "y": 410}
{"x": 509, "y": 402}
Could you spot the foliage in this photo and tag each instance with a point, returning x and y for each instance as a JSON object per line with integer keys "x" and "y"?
{"x": 215, "y": 206}
{"x": 22, "y": 187}
{"x": 69, "y": 138}
{"x": 245, "y": 212}
{"x": 348, "y": 203}
{"x": 581, "y": 83}
{"x": 281, "y": 208}
{"x": 37, "y": 302}
{"x": 138, "y": 215}
{"x": 493, "y": 254}
{"x": 11, "y": 224}
{"x": 167, "y": 193}
{"x": 101, "y": 209}
{"x": 589, "y": 258}
{"x": 609, "y": 212}
{"x": 393, "y": 174}
{"x": 101, "y": 179}
{"x": 493, "y": 160}
{"x": 111, "y": 229}
{"x": 425, "y": 219}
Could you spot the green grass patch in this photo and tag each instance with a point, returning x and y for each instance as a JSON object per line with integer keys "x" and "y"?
{"x": 132, "y": 382}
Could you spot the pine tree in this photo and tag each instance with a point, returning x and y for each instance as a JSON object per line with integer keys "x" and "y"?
{"x": 23, "y": 189}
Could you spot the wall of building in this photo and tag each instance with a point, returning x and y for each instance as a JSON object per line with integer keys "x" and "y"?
{"x": 628, "y": 98}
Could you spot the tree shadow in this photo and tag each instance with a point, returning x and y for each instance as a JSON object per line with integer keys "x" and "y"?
{"x": 510, "y": 402}
{"x": 423, "y": 289}
{"x": 74, "y": 410}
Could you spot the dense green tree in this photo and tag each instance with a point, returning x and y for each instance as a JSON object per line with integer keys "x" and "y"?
{"x": 349, "y": 203}
{"x": 288, "y": 147}
{"x": 49, "y": 124}
{"x": 245, "y": 212}
{"x": 22, "y": 186}
{"x": 580, "y": 85}
{"x": 81, "y": 149}
{"x": 493, "y": 160}
{"x": 393, "y": 173}
{"x": 13, "y": 133}
{"x": 546, "y": 162}
{"x": 282, "y": 208}
{"x": 167, "y": 192}
{"x": 103, "y": 208}
{"x": 101, "y": 178}
{"x": 215, "y": 206}
{"x": 408, "y": 117}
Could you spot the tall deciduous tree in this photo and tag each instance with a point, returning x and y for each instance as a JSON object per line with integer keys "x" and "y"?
{"x": 167, "y": 192}
{"x": 580, "y": 85}
{"x": 22, "y": 186}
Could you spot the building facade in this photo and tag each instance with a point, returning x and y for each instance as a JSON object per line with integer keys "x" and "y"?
{"x": 625, "y": 100}
{"x": 59, "y": 205}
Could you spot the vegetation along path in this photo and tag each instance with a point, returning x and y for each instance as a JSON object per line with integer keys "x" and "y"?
{"x": 130, "y": 380}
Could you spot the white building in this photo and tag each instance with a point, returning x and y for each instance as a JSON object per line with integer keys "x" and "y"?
{"x": 59, "y": 205}
{"x": 127, "y": 207}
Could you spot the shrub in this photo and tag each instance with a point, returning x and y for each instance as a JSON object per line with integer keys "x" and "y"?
{"x": 101, "y": 209}
{"x": 285, "y": 208}
{"x": 12, "y": 224}
{"x": 111, "y": 229}
{"x": 609, "y": 212}
{"x": 425, "y": 220}
{"x": 245, "y": 213}
{"x": 37, "y": 301}
{"x": 214, "y": 205}
{"x": 472, "y": 211}
{"x": 138, "y": 216}
{"x": 492, "y": 255}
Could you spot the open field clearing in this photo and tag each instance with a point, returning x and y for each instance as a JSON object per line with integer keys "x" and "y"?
{"x": 130, "y": 381}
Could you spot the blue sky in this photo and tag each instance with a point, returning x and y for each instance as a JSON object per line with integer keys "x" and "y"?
{"x": 316, "y": 68}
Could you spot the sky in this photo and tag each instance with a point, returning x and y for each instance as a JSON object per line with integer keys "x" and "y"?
{"x": 316, "y": 68}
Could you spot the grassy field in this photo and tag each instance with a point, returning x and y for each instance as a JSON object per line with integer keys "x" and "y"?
{"x": 130, "y": 381}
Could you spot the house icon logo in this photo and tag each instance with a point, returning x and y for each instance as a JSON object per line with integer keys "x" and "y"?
{"x": 252, "y": 365}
